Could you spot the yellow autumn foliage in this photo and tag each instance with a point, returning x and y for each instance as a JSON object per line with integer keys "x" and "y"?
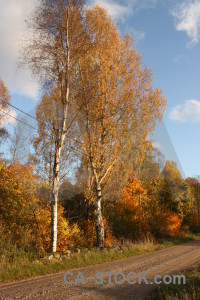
{"x": 25, "y": 220}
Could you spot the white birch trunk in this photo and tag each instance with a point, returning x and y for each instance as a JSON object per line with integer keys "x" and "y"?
{"x": 99, "y": 219}
{"x": 58, "y": 148}
{"x": 54, "y": 202}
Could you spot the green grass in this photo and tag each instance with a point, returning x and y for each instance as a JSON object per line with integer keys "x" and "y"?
{"x": 188, "y": 291}
{"x": 19, "y": 264}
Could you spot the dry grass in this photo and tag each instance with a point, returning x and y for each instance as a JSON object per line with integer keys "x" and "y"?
{"x": 188, "y": 291}
{"x": 18, "y": 264}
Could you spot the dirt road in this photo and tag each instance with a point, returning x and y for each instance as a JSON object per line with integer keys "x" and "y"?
{"x": 163, "y": 262}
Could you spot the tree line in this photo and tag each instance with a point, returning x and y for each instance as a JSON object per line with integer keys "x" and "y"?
{"x": 95, "y": 120}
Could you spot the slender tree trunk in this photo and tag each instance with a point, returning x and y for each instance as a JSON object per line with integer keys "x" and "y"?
{"x": 54, "y": 202}
{"x": 58, "y": 148}
{"x": 99, "y": 218}
{"x": 51, "y": 158}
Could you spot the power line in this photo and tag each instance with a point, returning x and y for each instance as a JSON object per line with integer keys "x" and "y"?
{"x": 19, "y": 109}
{"x": 26, "y": 113}
{"x": 18, "y": 120}
{"x": 30, "y": 126}
{"x": 47, "y": 125}
{"x": 6, "y": 113}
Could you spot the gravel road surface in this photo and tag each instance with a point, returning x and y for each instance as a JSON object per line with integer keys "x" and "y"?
{"x": 170, "y": 261}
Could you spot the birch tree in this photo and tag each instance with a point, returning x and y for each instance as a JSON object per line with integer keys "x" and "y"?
{"x": 49, "y": 116}
{"x": 55, "y": 41}
{"x": 119, "y": 103}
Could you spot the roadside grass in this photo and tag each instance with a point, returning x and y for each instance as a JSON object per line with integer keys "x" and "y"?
{"x": 188, "y": 291}
{"x": 17, "y": 264}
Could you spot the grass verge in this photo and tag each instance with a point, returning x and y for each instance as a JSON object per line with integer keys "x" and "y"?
{"x": 188, "y": 291}
{"x": 20, "y": 265}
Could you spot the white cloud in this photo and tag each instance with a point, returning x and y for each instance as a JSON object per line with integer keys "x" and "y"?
{"x": 187, "y": 16}
{"x": 116, "y": 10}
{"x": 138, "y": 35}
{"x": 12, "y": 24}
{"x": 145, "y": 4}
{"x": 180, "y": 58}
{"x": 189, "y": 111}
{"x": 158, "y": 145}
{"x": 121, "y": 9}
{"x": 7, "y": 116}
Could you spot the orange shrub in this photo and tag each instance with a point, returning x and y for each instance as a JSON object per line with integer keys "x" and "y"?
{"x": 173, "y": 224}
{"x": 25, "y": 219}
{"x": 68, "y": 235}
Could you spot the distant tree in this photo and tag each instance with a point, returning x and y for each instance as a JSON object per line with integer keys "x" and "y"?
{"x": 175, "y": 188}
{"x": 194, "y": 184}
{"x": 151, "y": 165}
{"x": 20, "y": 141}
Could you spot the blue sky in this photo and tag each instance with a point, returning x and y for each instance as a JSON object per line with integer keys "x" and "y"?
{"x": 166, "y": 33}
